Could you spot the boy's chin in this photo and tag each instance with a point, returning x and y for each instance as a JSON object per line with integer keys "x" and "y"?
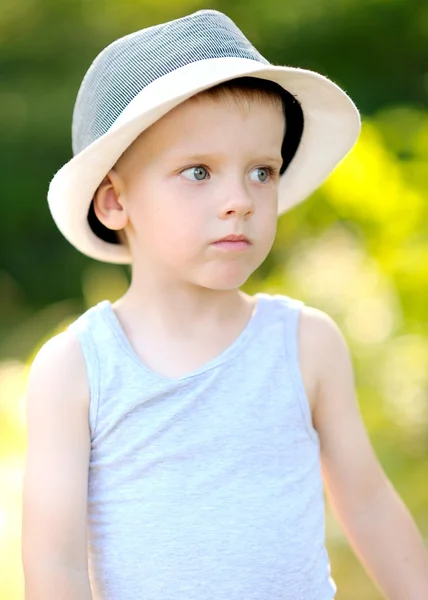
{"x": 225, "y": 281}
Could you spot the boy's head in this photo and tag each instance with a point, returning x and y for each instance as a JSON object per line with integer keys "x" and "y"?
{"x": 175, "y": 73}
{"x": 208, "y": 169}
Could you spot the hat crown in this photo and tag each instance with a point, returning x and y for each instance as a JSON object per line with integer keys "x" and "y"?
{"x": 132, "y": 62}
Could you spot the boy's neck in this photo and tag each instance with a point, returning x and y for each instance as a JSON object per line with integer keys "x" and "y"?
{"x": 183, "y": 310}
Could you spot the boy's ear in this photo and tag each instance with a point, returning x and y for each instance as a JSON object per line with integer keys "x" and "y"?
{"x": 108, "y": 206}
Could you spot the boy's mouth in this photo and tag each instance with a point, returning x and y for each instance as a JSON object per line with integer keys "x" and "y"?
{"x": 233, "y": 242}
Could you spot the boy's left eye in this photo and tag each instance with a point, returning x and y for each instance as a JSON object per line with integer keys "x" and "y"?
{"x": 198, "y": 173}
{"x": 262, "y": 174}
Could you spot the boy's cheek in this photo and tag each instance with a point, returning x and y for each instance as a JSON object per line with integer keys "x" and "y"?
{"x": 268, "y": 226}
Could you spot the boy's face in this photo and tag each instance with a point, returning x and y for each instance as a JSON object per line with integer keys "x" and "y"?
{"x": 204, "y": 171}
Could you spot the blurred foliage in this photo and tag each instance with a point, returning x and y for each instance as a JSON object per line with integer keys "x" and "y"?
{"x": 358, "y": 248}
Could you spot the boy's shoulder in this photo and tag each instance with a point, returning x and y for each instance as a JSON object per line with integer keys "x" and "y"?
{"x": 324, "y": 355}
{"x": 59, "y": 370}
{"x": 61, "y": 350}
{"x": 313, "y": 321}
{"x": 319, "y": 334}
{"x": 321, "y": 346}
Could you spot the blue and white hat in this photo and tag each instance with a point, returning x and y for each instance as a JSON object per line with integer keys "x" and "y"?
{"x": 138, "y": 78}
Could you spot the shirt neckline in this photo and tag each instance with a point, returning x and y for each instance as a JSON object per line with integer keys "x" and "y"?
{"x": 109, "y": 315}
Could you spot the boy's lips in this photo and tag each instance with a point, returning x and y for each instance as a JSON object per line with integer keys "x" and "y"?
{"x": 232, "y": 242}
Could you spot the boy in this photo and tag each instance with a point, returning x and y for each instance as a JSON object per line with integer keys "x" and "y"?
{"x": 176, "y": 439}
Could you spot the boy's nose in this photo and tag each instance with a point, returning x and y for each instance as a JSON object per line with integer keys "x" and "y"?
{"x": 237, "y": 202}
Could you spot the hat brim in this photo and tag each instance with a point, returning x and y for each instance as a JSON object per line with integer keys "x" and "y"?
{"x": 331, "y": 128}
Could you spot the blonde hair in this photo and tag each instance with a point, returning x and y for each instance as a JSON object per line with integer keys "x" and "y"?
{"x": 244, "y": 92}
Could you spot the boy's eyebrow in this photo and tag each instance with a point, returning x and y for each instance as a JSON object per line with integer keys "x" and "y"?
{"x": 207, "y": 157}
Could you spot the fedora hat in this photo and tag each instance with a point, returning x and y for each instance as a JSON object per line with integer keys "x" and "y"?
{"x": 138, "y": 78}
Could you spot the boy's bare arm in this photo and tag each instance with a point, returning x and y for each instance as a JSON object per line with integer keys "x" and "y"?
{"x": 378, "y": 525}
{"x": 54, "y": 552}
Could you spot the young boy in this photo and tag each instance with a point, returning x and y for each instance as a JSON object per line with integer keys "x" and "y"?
{"x": 179, "y": 439}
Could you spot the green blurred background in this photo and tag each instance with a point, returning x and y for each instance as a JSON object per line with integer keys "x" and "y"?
{"x": 358, "y": 248}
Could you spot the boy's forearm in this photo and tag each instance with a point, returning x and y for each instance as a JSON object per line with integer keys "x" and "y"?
{"x": 56, "y": 581}
{"x": 388, "y": 543}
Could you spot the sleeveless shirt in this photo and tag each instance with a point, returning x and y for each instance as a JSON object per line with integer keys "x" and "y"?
{"x": 205, "y": 486}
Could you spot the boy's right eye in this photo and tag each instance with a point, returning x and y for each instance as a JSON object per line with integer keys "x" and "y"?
{"x": 198, "y": 173}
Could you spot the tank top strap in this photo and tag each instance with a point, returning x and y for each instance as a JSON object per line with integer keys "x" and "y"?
{"x": 96, "y": 343}
{"x": 285, "y": 310}
{"x": 282, "y": 316}
{"x": 290, "y": 310}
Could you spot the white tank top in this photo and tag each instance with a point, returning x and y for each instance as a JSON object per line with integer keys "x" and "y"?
{"x": 207, "y": 486}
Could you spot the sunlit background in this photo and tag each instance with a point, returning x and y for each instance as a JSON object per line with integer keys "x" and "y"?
{"x": 357, "y": 249}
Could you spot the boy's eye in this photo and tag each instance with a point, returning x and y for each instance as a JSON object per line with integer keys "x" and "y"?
{"x": 262, "y": 174}
{"x": 195, "y": 173}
